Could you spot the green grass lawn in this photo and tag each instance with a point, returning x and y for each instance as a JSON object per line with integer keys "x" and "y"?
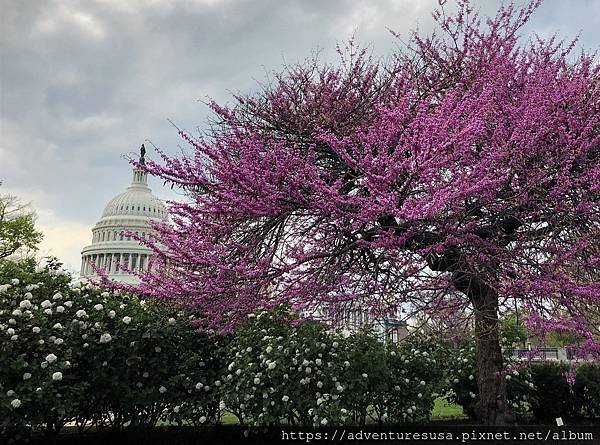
{"x": 229, "y": 419}
{"x": 444, "y": 410}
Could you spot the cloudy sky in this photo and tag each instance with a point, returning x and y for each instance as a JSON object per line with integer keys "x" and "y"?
{"x": 84, "y": 82}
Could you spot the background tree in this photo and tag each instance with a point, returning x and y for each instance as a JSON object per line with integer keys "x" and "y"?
{"x": 462, "y": 174}
{"x": 17, "y": 226}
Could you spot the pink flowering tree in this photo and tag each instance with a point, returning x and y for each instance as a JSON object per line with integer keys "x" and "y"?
{"x": 462, "y": 175}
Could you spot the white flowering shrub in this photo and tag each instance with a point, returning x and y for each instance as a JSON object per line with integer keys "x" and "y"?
{"x": 279, "y": 372}
{"x": 416, "y": 379}
{"x": 34, "y": 354}
{"x": 461, "y": 379}
{"x": 97, "y": 358}
{"x": 109, "y": 360}
{"x": 365, "y": 376}
{"x": 282, "y": 371}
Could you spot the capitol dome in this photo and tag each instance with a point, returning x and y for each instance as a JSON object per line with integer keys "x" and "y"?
{"x": 131, "y": 211}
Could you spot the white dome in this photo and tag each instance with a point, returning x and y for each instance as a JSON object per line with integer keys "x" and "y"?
{"x": 131, "y": 211}
{"x": 136, "y": 201}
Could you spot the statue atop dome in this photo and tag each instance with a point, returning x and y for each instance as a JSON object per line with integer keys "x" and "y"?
{"x": 142, "y": 154}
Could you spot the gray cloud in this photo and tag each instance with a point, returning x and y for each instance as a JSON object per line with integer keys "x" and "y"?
{"x": 84, "y": 82}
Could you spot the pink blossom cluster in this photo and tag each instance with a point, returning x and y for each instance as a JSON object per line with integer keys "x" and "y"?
{"x": 467, "y": 164}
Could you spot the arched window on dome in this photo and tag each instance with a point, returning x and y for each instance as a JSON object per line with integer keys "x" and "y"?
{"x": 138, "y": 208}
{"x": 144, "y": 235}
{"x": 102, "y": 236}
{"x": 115, "y": 235}
{"x": 121, "y": 237}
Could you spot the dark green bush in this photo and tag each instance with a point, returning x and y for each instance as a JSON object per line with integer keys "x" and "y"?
{"x": 553, "y": 396}
{"x": 587, "y": 390}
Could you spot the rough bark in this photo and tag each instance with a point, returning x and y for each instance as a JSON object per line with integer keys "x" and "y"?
{"x": 491, "y": 407}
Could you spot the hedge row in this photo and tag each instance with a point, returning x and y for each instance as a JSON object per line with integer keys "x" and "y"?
{"x": 105, "y": 360}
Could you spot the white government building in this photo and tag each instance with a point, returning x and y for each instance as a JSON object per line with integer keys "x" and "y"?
{"x": 130, "y": 211}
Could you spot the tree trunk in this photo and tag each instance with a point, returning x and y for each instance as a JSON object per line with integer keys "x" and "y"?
{"x": 491, "y": 407}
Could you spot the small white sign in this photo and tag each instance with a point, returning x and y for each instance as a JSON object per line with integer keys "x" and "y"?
{"x": 559, "y": 421}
